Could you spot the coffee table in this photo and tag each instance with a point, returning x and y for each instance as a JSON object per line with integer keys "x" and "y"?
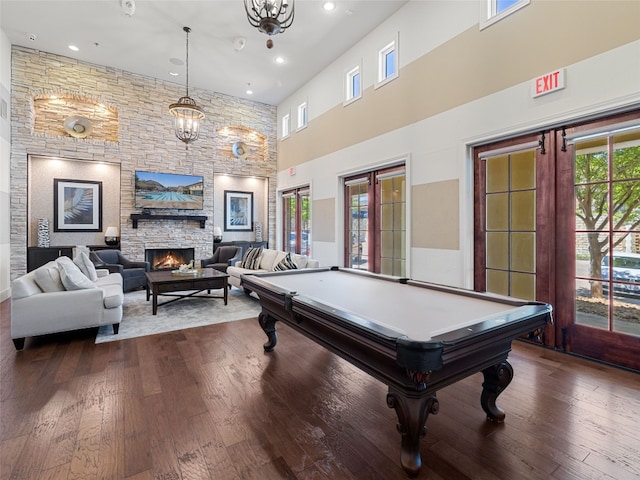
{"x": 165, "y": 282}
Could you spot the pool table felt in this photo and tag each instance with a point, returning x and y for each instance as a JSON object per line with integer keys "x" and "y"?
{"x": 419, "y": 313}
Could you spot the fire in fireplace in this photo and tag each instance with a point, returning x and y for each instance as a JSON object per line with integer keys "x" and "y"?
{"x": 168, "y": 258}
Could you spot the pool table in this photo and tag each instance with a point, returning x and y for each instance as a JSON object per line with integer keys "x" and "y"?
{"x": 413, "y": 336}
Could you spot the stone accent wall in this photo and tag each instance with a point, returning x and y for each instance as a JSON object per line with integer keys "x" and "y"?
{"x": 52, "y": 108}
{"x": 145, "y": 142}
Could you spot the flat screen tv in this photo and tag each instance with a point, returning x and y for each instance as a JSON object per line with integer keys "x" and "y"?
{"x": 168, "y": 190}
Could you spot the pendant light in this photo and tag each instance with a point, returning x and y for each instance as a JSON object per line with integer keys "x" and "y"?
{"x": 187, "y": 114}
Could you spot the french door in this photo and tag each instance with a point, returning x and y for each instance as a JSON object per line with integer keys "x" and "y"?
{"x": 375, "y": 221}
{"x": 557, "y": 219}
{"x": 598, "y": 307}
{"x": 513, "y": 221}
{"x": 296, "y": 208}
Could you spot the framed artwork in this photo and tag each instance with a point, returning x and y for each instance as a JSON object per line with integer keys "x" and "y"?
{"x": 77, "y": 206}
{"x": 238, "y": 211}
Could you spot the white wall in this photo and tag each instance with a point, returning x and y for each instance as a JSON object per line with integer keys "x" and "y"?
{"x": 439, "y": 146}
{"x": 421, "y": 31}
{"x": 259, "y": 186}
{"x": 5, "y": 156}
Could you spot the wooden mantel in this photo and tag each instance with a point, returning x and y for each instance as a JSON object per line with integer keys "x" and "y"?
{"x": 143, "y": 216}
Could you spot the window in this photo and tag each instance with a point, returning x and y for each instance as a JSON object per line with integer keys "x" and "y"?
{"x": 296, "y": 214}
{"x": 286, "y": 122}
{"x": 302, "y": 115}
{"x": 375, "y": 213}
{"x": 387, "y": 63}
{"x": 353, "y": 86}
{"x": 495, "y": 10}
{"x": 607, "y": 227}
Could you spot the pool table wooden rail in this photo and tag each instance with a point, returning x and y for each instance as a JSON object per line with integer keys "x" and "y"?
{"x": 413, "y": 370}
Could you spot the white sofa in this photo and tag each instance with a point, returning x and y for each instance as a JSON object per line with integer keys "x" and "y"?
{"x": 267, "y": 261}
{"x": 54, "y": 298}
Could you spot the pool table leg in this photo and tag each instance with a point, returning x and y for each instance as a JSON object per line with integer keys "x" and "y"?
{"x": 496, "y": 379}
{"x": 412, "y": 415}
{"x": 268, "y": 324}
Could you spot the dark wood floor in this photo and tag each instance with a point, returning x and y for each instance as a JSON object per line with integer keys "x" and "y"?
{"x": 207, "y": 403}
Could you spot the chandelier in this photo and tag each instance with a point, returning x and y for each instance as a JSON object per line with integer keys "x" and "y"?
{"x": 186, "y": 113}
{"x": 270, "y": 16}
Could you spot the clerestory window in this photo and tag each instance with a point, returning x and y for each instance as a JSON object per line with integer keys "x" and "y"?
{"x": 387, "y": 63}
{"x": 353, "y": 85}
{"x": 286, "y": 125}
{"x": 302, "y": 115}
{"x": 496, "y": 10}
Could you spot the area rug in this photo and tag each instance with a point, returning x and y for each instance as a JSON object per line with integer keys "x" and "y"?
{"x": 138, "y": 321}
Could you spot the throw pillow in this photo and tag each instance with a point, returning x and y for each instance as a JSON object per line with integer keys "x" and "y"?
{"x": 251, "y": 258}
{"x": 86, "y": 266}
{"x": 47, "y": 277}
{"x": 286, "y": 263}
{"x": 93, "y": 256}
{"x": 300, "y": 260}
{"x": 71, "y": 276}
{"x": 269, "y": 258}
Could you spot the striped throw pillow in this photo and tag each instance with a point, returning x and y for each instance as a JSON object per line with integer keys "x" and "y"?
{"x": 286, "y": 263}
{"x": 251, "y": 258}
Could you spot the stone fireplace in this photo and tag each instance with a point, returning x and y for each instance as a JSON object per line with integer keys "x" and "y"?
{"x": 168, "y": 258}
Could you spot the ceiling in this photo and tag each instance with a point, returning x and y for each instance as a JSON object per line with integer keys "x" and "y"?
{"x": 152, "y": 42}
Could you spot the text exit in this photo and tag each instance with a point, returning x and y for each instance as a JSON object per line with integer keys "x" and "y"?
{"x": 547, "y": 83}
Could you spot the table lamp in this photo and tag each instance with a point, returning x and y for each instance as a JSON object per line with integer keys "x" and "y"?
{"x": 217, "y": 234}
{"x": 111, "y": 236}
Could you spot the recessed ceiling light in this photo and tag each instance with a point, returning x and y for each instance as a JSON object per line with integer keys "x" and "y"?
{"x": 279, "y": 59}
{"x": 328, "y": 6}
{"x": 174, "y": 74}
{"x": 74, "y": 48}
{"x": 249, "y": 91}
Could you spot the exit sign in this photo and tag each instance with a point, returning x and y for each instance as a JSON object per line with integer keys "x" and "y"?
{"x": 547, "y": 83}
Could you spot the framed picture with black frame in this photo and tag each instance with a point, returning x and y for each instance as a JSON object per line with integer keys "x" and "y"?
{"x": 77, "y": 206}
{"x": 238, "y": 211}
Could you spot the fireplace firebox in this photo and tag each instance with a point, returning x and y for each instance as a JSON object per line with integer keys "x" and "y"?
{"x": 168, "y": 258}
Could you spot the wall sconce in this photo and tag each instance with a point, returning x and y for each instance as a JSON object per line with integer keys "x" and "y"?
{"x": 111, "y": 237}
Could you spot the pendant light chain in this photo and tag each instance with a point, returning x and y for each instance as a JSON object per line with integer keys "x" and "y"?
{"x": 187, "y": 29}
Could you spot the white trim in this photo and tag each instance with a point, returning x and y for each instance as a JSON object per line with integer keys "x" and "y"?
{"x": 488, "y": 18}
{"x": 467, "y": 227}
{"x": 349, "y": 97}
{"x": 557, "y": 120}
{"x": 302, "y": 120}
{"x": 286, "y": 119}
{"x": 393, "y": 45}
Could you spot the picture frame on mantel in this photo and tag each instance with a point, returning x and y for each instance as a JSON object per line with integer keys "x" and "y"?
{"x": 238, "y": 211}
{"x": 77, "y": 205}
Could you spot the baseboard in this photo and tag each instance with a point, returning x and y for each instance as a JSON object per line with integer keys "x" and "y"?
{"x": 5, "y": 294}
